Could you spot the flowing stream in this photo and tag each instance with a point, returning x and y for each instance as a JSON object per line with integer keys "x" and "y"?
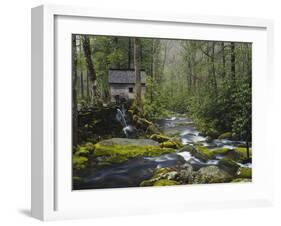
{"x": 132, "y": 172}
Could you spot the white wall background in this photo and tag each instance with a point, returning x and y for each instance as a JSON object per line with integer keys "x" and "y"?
{"x": 15, "y": 111}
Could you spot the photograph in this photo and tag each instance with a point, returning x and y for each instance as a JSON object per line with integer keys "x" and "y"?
{"x": 160, "y": 112}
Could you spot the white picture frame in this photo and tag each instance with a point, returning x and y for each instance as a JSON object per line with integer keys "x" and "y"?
{"x": 52, "y": 197}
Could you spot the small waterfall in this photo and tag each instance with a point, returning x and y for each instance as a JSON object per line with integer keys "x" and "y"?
{"x": 120, "y": 116}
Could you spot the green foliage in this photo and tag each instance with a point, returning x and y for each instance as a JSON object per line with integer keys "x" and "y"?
{"x": 155, "y": 101}
{"x": 197, "y": 78}
{"x": 242, "y": 124}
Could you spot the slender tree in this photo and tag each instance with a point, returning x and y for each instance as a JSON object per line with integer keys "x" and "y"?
{"x": 223, "y": 60}
{"x": 74, "y": 92}
{"x": 90, "y": 66}
{"x": 81, "y": 69}
{"x": 137, "y": 61}
{"x": 232, "y": 56}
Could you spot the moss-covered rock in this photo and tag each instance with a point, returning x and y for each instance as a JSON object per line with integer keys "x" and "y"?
{"x": 185, "y": 175}
{"x": 202, "y": 153}
{"x": 228, "y": 165}
{"x": 160, "y": 174}
{"x": 244, "y": 172}
{"x": 165, "y": 182}
{"x": 79, "y": 162}
{"x": 118, "y": 150}
{"x": 243, "y": 153}
{"x": 221, "y": 151}
{"x": 241, "y": 180}
{"x": 226, "y": 135}
{"x": 171, "y": 144}
{"x": 211, "y": 174}
{"x": 188, "y": 148}
{"x": 159, "y": 138}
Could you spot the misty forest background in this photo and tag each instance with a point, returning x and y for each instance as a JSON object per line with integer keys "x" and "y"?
{"x": 208, "y": 80}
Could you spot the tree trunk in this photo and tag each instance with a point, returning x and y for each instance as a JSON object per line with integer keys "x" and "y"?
{"x": 74, "y": 93}
{"x": 81, "y": 72}
{"x": 88, "y": 88}
{"x": 232, "y": 60}
{"x": 90, "y": 66}
{"x": 164, "y": 59}
{"x": 82, "y": 85}
{"x": 189, "y": 77}
{"x": 223, "y": 60}
{"x": 249, "y": 59}
{"x": 137, "y": 62}
{"x": 213, "y": 66}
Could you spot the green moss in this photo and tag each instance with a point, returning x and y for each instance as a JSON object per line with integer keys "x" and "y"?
{"x": 244, "y": 172}
{"x": 161, "y": 171}
{"x": 158, "y": 174}
{"x": 116, "y": 159}
{"x": 243, "y": 152}
{"x": 79, "y": 162}
{"x": 171, "y": 144}
{"x": 226, "y": 135}
{"x": 147, "y": 183}
{"x": 144, "y": 121}
{"x": 165, "y": 182}
{"x": 120, "y": 153}
{"x": 220, "y": 151}
{"x": 90, "y": 146}
{"x": 228, "y": 165}
{"x": 202, "y": 153}
{"x": 175, "y": 134}
{"x": 159, "y": 138}
{"x": 188, "y": 148}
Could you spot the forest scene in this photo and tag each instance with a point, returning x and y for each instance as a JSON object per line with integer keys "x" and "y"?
{"x": 160, "y": 112}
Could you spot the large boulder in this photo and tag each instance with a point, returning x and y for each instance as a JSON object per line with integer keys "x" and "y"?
{"x": 228, "y": 165}
{"x": 160, "y": 174}
{"x": 118, "y": 150}
{"x": 182, "y": 174}
{"x": 185, "y": 174}
{"x": 211, "y": 174}
{"x": 127, "y": 141}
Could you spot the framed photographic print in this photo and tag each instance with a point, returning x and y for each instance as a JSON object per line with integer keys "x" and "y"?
{"x": 134, "y": 112}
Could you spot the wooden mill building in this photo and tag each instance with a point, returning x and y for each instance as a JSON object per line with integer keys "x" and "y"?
{"x": 122, "y": 84}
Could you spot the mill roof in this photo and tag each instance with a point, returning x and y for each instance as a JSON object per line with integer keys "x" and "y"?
{"x": 124, "y": 76}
